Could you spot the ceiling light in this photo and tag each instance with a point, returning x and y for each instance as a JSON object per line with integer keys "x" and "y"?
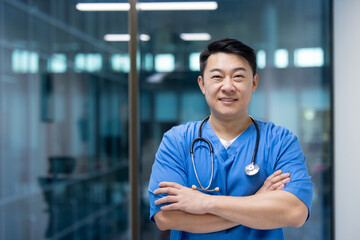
{"x": 103, "y": 6}
{"x": 195, "y": 36}
{"x": 309, "y": 57}
{"x": 123, "y": 37}
{"x": 281, "y": 58}
{"x": 168, "y": 6}
{"x": 144, "y": 37}
{"x": 117, "y": 37}
{"x": 148, "y": 6}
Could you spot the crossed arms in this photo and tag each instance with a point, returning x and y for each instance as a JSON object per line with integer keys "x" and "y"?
{"x": 193, "y": 211}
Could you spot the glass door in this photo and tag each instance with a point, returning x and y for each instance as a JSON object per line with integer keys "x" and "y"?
{"x": 64, "y": 121}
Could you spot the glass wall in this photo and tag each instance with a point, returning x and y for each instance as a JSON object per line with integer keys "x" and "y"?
{"x": 63, "y": 122}
{"x": 64, "y": 104}
{"x": 292, "y": 42}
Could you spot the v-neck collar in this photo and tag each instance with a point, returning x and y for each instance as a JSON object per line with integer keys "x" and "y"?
{"x": 219, "y": 148}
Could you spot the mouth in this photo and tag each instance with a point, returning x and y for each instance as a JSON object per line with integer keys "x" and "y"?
{"x": 227, "y": 99}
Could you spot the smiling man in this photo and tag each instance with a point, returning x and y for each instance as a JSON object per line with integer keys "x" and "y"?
{"x": 199, "y": 188}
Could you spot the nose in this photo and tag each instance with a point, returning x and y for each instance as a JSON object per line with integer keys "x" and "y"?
{"x": 228, "y": 85}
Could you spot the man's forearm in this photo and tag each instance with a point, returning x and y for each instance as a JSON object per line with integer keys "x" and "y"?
{"x": 269, "y": 210}
{"x": 189, "y": 209}
{"x": 194, "y": 223}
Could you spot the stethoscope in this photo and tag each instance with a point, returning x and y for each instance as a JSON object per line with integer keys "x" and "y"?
{"x": 250, "y": 169}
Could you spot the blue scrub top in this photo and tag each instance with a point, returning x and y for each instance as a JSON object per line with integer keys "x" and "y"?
{"x": 278, "y": 149}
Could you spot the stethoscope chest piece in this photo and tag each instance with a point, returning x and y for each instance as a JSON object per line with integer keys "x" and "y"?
{"x": 252, "y": 169}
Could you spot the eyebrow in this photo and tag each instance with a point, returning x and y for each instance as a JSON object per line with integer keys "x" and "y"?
{"x": 235, "y": 69}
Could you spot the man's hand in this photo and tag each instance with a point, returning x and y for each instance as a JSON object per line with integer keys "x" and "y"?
{"x": 181, "y": 198}
{"x": 275, "y": 181}
{"x": 193, "y": 201}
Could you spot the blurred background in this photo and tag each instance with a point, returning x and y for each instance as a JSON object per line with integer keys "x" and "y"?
{"x": 64, "y": 110}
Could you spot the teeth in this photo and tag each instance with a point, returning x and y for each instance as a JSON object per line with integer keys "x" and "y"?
{"x": 227, "y": 99}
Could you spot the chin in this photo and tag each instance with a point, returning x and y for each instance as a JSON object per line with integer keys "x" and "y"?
{"x": 228, "y": 115}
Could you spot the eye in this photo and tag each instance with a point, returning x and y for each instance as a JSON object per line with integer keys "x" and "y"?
{"x": 216, "y": 77}
{"x": 239, "y": 77}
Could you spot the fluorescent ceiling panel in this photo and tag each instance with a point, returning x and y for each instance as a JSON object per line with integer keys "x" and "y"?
{"x": 281, "y": 58}
{"x": 176, "y": 6}
{"x": 23, "y": 61}
{"x": 261, "y": 59}
{"x": 88, "y": 62}
{"x": 103, "y": 6}
{"x": 120, "y": 62}
{"x": 309, "y": 57}
{"x": 144, "y": 37}
{"x": 148, "y": 6}
{"x": 124, "y": 37}
{"x": 57, "y": 63}
{"x": 194, "y": 62}
{"x": 195, "y": 36}
{"x": 164, "y": 62}
{"x": 117, "y": 37}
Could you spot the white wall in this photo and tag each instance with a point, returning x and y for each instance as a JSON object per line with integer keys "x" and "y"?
{"x": 347, "y": 118}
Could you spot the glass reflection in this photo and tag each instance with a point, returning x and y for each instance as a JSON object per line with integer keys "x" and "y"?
{"x": 63, "y": 110}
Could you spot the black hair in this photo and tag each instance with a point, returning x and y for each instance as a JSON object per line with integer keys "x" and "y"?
{"x": 228, "y": 45}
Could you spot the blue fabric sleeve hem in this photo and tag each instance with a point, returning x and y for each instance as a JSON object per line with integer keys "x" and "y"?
{"x": 153, "y": 208}
{"x": 303, "y": 194}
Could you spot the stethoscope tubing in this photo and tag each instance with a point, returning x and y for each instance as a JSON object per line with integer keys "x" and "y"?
{"x": 257, "y": 140}
{"x": 250, "y": 170}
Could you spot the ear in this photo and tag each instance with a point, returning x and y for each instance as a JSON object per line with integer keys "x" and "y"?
{"x": 201, "y": 84}
{"x": 255, "y": 82}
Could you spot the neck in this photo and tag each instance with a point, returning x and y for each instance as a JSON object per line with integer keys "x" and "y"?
{"x": 229, "y": 129}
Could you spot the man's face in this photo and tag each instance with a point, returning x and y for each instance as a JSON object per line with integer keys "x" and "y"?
{"x": 228, "y": 84}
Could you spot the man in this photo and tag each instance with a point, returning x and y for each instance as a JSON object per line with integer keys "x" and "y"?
{"x": 204, "y": 195}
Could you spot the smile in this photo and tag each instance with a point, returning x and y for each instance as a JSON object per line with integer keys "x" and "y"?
{"x": 228, "y": 99}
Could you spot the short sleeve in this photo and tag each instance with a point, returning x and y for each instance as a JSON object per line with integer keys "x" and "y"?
{"x": 291, "y": 159}
{"x": 168, "y": 166}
